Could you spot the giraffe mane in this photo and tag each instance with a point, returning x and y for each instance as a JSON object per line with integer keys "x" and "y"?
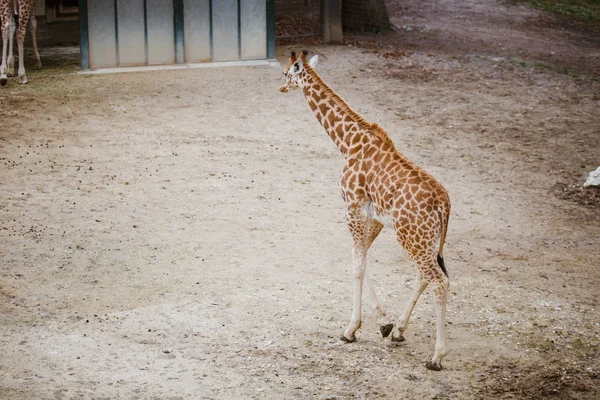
{"x": 372, "y": 127}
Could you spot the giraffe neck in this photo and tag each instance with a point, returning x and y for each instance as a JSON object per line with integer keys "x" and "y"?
{"x": 343, "y": 125}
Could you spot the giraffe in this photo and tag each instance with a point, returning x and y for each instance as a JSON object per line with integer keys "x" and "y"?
{"x": 380, "y": 186}
{"x": 25, "y": 9}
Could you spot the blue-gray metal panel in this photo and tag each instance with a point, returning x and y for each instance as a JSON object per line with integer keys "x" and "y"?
{"x": 196, "y": 30}
{"x": 253, "y": 25}
{"x": 271, "y": 29}
{"x": 102, "y": 34}
{"x": 132, "y": 40}
{"x": 225, "y": 30}
{"x": 161, "y": 32}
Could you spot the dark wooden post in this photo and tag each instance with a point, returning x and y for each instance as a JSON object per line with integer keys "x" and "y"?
{"x": 84, "y": 38}
{"x": 178, "y": 23}
{"x": 331, "y": 14}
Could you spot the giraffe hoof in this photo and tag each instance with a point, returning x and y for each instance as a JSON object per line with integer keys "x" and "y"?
{"x": 398, "y": 339}
{"x": 433, "y": 366}
{"x": 3, "y": 81}
{"x": 345, "y": 339}
{"x": 386, "y": 330}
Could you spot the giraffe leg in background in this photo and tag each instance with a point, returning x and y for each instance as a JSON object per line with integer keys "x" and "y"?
{"x": 10, "y": 68}
{"x": 36, "y": 55}
{"x": 24, "y": 15}
{"x": 5, "y": 38}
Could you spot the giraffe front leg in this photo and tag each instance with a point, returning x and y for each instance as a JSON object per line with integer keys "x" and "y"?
{"x": 440, "y": 291}
{"x": 358, "y": 275}
{"x": 385, "y": 326}
{"x": 358, "y": 226}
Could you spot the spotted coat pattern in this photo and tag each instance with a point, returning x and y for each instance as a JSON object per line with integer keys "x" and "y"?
{"x": 25, "y": 9}
{"x": 381, "y": 186}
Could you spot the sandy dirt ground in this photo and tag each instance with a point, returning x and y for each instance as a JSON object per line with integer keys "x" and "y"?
{"x": 180, "y": 235}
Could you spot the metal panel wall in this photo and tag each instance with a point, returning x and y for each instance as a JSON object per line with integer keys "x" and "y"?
{"x": 196, "y": 30}
{"x": 131, "y": 32}
{"x": 137, "y": 32}
{"x": 101, "y": 34}
{"x": 225, "y": 30}
{"x": 161, "y": 31}
{"x": 253, "y": 26}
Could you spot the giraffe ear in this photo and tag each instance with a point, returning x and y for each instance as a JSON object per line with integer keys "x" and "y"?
{"x": 313, "y": 61}
{"x": 296, "y": 67}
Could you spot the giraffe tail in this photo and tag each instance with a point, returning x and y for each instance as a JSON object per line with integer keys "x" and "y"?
{"x": 444, "y": 217}
{"x": 440, "y": 261}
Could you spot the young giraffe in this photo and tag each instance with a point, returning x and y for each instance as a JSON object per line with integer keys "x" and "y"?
{"x": 25, "y": 9}
{"x": 379, "y": 185}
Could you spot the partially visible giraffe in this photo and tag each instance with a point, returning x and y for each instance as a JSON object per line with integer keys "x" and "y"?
{"x": 381, "y": 186}
{"x": 25, "y": 9}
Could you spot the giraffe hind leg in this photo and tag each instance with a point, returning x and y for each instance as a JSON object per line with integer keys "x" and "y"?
{"x": 440, "y": 284}
{"x": 398, "y": 332}
{"x": 440, "y": 290}
{"x": 423, "y": 247}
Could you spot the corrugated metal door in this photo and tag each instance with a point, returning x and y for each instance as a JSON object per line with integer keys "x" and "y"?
{"x": 197, "y": 30}
{"x": 149, "y": 32}
{"x": 131, "y": 40}
{"x": 160, "y": 19}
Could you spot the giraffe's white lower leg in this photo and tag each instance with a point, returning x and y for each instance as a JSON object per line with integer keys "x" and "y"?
{"x": 359, "y": 275}
{"x": 440, "y": 291}
{"x": 10, "y": 67}
{"x": 11, "y": 58}
{"x": 5, "y": 39}
{"x": 3, "y": 76}
{"x": 22, "y": 76}
{"x": 397, "y": 334}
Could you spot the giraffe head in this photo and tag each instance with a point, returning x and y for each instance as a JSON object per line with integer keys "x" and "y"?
{"x": 295, "y": 72}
